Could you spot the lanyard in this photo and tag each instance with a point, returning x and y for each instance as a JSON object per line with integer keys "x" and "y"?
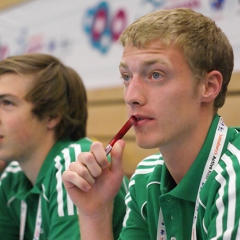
{"x": 38, "y": 221}
{"x": 161, "y": 234}
{"x": 23, "y": 220}
{"x": 212, "y": 161}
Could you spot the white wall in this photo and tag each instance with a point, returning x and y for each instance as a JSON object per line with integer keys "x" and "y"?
{"x": 62, "y": 28}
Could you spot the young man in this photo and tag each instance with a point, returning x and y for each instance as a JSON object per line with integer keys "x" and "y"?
{"x": 43, "y": 116}
{"x": 176, "y": 66}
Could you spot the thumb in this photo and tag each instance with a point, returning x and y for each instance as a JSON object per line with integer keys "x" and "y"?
{"x": 117, "y": 155}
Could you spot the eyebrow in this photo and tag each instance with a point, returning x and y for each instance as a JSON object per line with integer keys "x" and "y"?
{"x": 7, "y": 95}
{"x": 148, "y": 63}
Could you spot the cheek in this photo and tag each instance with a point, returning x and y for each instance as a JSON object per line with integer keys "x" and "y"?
{"x": 185, "y": 96}
{"x": 20, "y": 130}
{"x": 178, "y": 103}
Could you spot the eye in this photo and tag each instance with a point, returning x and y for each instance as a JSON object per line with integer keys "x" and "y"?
{"x": 156, "y": 75}
{"x": 7, "y": 103}
{"x": 126, "y": 77}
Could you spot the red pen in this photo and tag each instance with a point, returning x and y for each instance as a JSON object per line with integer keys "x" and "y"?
{"x": 120, "y": 134}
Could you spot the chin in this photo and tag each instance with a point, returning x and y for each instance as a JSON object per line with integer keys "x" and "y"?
{"x": 145, "y": 144}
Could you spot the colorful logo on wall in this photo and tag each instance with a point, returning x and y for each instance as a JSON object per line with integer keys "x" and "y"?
{"x": 217, "y": 4}
{"x": 104, "y": 27}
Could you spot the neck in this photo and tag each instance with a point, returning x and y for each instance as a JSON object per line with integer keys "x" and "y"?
{"x": 182, "y": 153}
{"x": 32, "y": 163}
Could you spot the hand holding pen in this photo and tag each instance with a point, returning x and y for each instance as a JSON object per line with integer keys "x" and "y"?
{"x": 86, "y": 173}
{"x": 91, "y": 184}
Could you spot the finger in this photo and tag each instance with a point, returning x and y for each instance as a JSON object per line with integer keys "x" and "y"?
{"x": 117, "y": 155}
{"x": 92, "y": 165}
{"x": 72, "y": 179}
{"x": 82, "y": 171}
{"x": 97, "y": 149}
{"x": 87, "y": 160}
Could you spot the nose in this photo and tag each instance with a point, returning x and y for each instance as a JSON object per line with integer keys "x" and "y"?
{"x": 134, "y": 92}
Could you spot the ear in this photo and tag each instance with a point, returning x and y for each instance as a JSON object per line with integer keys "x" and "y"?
{"x": 52, "y": 122}
{"x": 212, "y": 85}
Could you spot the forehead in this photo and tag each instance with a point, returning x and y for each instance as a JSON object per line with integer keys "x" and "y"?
{"x": 153, "y": 52}
{"x": 15, "y": 84}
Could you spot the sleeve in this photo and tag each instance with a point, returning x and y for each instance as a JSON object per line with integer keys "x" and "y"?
{"x": 219, "y": 213}
{"x": 61, "y": 212}
{"x": 134, "y": 225}
{"x": 9, "y": 226}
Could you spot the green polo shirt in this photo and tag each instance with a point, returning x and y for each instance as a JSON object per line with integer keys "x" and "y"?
{"x": 152, "y": 187}
{"x": 59, "y": 215}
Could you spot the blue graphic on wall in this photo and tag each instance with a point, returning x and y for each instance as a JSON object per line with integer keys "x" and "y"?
{"x": 156, "y": 3}
{"x": 217, "y": 4}
{"x": 102, "y": 27}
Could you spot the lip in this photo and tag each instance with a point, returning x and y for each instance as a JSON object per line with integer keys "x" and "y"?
{"x": 141, "y": 119}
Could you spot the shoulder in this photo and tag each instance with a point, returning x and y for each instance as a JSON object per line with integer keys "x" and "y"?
{"x": 230, "y": 160}
{"x": 224, "y": 180}
{"x": 147, "y": 170}
{"x": 220, "y": 195}
{"x": 82, "y": 145}
{"x": 69, "y": 152}
{"x": 148, "y": 164}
